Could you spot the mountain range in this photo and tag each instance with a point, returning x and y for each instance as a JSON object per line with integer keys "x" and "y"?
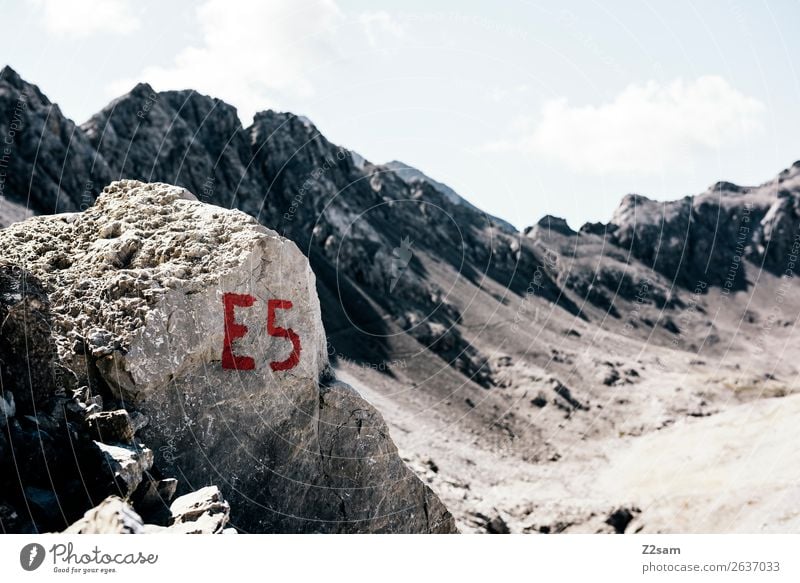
{"x": 514, "y": 369}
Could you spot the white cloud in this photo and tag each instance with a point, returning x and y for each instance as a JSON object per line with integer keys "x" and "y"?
{"x": 380, "y": 24}
{"x": 251, "y": 52}
{"x": 82, "y": 18}
{"x": 645, "y": 129}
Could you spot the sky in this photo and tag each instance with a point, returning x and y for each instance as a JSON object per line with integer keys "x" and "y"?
{"x": 525, "y": 108}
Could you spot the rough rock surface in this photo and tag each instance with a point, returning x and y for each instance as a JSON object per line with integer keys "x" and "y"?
{"x": 137, "y": 286}
{"x": 25, "y": 323}
{"x": 708, "y": 237}
{"x": 52, "y": 468}
{"x": 201, "y": 512}
{"x": 411, "y": 175}
{"x": 112, "y": 516}
{"x": 200, "y": 142}
{"x": 111, "y": 426}
{"x": 127, "y": 463}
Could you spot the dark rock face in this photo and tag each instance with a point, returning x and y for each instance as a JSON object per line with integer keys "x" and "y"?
{"x": 554, "y": 224}
{"x": 111, "y": 426}
{"x": 179, "y": 137}
{"x": 594, "y": 228}
{"x": 27, "y": 352}
{"x": 411, "y": 176}
{"x": 50, "y": 469}
{"x": 707, "y": 238}
{"x": 348, "y": 215}
{"x": 656, "y": 233}
{"x": 348, "y": 425}
{"x": 49, "y": 166}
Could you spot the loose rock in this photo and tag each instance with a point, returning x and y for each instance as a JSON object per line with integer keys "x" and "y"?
{"x": 111, "y": 426}
{"x": 112, "y": 516}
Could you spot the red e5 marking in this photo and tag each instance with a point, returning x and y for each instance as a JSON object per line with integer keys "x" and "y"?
{"x": 234, "y": 330}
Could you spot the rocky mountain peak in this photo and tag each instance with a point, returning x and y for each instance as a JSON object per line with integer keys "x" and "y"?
{"x": 724, "y": 187}
{"x": 549, "y": 223}
{"x": 11, "y": 81}
{"x": 50, "y": 164}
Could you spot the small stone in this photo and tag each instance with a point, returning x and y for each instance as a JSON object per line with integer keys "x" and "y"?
{"x": 7, "y": 408}
{"x": 609, "y": 376}
{"x": 203, "y": 511}
{"x": 81, "y": 394}
{"x": 620, "y": 518}
{"x": 540, "y": 400}
{"x": 166, "y": 488}
{"x": 190, "y": 506}
{"x": 497, "y": 526}
{"x": 154, "y": 495}
{"x": 139, "y": 420}
{"x": 111, "y": 516}
{"x": 92, "y": 409}
{"x": 111, "y": 426}
{"x": 127, "y": 463}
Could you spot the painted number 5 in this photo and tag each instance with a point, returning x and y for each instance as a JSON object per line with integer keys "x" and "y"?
{"x": 273, "y": 330}
{"x": 234, "y": 330}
